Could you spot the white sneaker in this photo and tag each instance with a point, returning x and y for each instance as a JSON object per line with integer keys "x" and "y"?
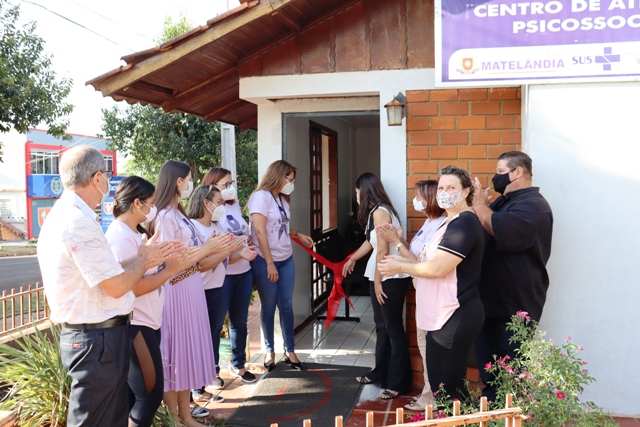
{"x": 199, "y": 411}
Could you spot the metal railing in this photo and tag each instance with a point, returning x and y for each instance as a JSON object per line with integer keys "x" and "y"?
{"x": 23, "y": 309}
{"x": 512, "y": 417}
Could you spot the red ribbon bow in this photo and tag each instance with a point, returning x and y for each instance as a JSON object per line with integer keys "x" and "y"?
{"x": 333, "y": 302}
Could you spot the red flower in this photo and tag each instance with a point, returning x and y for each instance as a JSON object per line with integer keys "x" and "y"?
{"x": 559, "y": 394}
{"x": 417, "y": 417}
{"x": 487, "y": 366}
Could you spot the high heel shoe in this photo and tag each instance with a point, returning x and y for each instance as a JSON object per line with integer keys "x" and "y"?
{"x": 271, "y": 365}
{"x": 295, "y": 365}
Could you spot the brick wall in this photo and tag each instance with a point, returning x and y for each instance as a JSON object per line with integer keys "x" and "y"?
{"x": 468, "y": 128}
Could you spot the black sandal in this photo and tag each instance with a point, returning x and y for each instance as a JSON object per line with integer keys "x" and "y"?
{"x": 388, "y": 395}
{"x": 363, "y": 380}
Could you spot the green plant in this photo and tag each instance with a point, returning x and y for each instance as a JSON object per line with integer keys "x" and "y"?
{"x": 37, "y": 380}
{"x": 33, "y": 241}
{"x": 545, "y": 379}
{"x": 163, "y": 417}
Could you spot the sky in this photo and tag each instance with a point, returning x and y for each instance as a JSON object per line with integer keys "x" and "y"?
{"x": 122, "y": 27}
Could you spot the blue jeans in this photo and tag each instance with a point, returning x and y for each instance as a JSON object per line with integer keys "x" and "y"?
{"x": 278, "y": 294}
{"x": 233, "y": 297}
{"x": 98, "y": 363}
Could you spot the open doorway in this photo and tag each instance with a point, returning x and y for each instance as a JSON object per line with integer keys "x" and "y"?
{"x": 330, "y": 151}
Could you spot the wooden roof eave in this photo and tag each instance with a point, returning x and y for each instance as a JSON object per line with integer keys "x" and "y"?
{"x": 115, "y": 81}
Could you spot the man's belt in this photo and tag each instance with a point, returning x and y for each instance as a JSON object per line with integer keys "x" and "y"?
{"x": 188, "y": 272}
{"x": 114, "y": 322}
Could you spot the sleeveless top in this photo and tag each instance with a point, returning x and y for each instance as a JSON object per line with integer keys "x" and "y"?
{"x": 373, "y": 240}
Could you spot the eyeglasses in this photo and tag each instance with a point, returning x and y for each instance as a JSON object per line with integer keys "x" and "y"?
{"x": 226, "y": 185}
{"x": 107, "y": 174}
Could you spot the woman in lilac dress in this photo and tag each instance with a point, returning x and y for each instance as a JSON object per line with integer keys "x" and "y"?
{"x": 187, "y": 352}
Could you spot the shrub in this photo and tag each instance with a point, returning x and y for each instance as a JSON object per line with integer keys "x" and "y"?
{"x": 546, "y": 380}
{"x": 38, "y": 384}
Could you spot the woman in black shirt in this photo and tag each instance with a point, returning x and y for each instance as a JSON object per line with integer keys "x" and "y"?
{"x": 447, "y": 290}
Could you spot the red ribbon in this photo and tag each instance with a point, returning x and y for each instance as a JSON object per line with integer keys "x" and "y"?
{"x": 333, "y": 302}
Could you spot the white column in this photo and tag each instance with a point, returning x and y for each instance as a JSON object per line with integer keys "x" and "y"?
{"x": 393, "y": 158}
{"x": 269, "y": 136}
{"x": 228, "y": 136}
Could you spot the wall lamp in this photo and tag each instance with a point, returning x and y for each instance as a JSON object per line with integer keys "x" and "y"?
{"x": 396, "y": 110}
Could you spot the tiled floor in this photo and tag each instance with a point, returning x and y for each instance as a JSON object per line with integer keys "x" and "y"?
{"x": 343, "y": 343}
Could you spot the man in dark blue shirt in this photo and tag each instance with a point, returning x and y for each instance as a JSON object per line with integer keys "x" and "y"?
{"x": 514, "y": 277}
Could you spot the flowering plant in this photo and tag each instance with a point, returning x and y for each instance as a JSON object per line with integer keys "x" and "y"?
{"x": 545, "y": 379}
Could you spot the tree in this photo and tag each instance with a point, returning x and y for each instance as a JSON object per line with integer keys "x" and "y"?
{"x": 149, "y": 137}
{"x": 29, "y": 91}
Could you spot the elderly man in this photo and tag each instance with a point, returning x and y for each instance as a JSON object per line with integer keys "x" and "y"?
{"x": 514, "y": 277}
{"x": 90, "y": 293}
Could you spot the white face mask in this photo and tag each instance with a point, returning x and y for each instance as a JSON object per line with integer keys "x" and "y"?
{"x": 105, "y": 195}
{"x": 184, "y": 194}
{"x": 417, "y": 205}
{"x": 287, "y": 189}
{"x": 448, "y": 200}
{"x": 218, "y": 213}
{"x": 152, "y": 213}
{"x": 228, "y": 193}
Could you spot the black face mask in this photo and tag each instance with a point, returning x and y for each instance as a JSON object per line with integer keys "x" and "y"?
{"x": 500, "y": 182}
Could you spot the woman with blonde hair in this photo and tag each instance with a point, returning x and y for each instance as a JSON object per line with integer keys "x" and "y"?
{"x": 273, "y": 268}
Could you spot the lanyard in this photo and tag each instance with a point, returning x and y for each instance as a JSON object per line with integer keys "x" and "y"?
{"x": 280, "y": 206}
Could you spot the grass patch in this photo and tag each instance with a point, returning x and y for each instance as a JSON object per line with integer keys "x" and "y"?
{"x": 15, "y": 306}
{"x": 20, "y": 250}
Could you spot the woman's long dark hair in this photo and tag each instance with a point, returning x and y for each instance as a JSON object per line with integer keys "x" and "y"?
{"x": 167, "y": 189}
{"x": 132, "y": 188}
{"x": 371, "y": 193}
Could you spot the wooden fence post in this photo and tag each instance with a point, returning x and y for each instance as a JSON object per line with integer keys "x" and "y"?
{"x": 508, "y": 422}
{"x": 369, "y": 419}
{"x": 483, "y": 408}
{"x": 456, "y": 409}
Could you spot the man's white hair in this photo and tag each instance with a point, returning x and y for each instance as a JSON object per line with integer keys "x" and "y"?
{"x": 79, "y": 164}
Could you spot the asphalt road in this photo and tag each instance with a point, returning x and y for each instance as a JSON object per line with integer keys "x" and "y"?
{"x": 19, "y": 271}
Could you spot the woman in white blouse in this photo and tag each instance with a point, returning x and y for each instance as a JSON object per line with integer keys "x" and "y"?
{"x": 234, "y": 296}
{"x": 134, "y": 205}
{"x": 392, "y": 368}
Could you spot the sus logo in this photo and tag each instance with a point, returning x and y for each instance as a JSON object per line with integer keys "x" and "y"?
{"x": 108, "y": 208}
{"x": 467, "y": 64}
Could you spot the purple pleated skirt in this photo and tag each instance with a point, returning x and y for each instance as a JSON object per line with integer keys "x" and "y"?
{"x": 186, "y": 348}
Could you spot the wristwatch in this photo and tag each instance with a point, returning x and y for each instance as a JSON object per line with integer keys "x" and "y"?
{"x": 398, "y": 246}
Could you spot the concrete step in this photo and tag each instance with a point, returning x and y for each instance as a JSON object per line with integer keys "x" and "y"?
{"x": 6, "y": 234}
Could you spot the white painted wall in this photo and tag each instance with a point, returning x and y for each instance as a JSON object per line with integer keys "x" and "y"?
{"x": 12, "y": 175}
{"x": 354, "y": 91}
{"x": 584, "y": 142}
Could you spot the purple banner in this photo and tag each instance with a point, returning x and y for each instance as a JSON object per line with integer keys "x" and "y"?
{"x": 505, "y": 42}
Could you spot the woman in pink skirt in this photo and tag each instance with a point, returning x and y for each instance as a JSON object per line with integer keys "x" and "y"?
{"x": 187, "y": 352}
